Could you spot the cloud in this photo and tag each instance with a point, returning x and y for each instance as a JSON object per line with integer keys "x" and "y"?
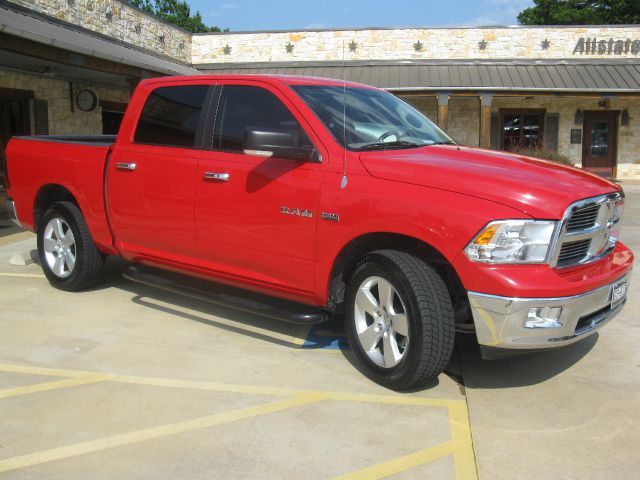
{"x": 499, "y": 12}
{"x": 229, "y": 6}
{"x": 315, "y": 26}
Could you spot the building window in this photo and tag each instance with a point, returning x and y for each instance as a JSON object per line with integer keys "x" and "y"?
{"x": 521, "y": 129}
{"x": 112, "y": 115}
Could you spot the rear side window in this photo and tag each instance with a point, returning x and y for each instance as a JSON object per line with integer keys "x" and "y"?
{"x": 171, "y": 115}
{"x": 246, "y": 106}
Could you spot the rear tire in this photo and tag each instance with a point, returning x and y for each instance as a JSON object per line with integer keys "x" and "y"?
{"x": 399, "y": 320}
{"x": 69, "y": 258}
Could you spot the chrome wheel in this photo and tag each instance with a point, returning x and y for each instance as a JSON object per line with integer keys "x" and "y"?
{"x": 59, "y": 246}
{"x": 381, "y": 322}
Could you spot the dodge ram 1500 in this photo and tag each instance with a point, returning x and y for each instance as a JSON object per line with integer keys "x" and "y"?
{"x": 315, "y": 198}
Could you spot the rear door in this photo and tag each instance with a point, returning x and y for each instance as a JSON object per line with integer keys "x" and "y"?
{"x": 151, "y": 180}
{"x": 256, "y": 217}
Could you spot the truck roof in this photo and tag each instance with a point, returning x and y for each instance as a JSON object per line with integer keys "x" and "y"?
{"x": 269, "y": 78}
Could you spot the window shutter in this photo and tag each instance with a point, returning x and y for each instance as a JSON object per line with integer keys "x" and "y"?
{"x": 41, "y": 116}
{"x": 495, "y": 131}
{"x": 551, "y": 127}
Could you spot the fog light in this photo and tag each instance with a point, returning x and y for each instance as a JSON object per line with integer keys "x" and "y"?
{"x": 545, "y": 317}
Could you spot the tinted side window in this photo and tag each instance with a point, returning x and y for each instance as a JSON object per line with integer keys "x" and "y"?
{"x": 244, "y": 106}
{"x": 171, "y": 115}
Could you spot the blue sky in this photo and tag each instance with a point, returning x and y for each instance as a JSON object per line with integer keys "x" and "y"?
{"x": 241, "y": 15}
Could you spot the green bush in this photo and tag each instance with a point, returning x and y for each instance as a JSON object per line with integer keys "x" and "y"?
{"x": 545, "y": 154}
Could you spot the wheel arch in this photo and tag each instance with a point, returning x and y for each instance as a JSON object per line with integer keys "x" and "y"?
{"x": 352, "y": 253}
{"x": 48, "y": 195}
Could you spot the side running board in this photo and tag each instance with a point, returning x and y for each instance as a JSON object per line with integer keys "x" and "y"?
{"x": 226, "y": 296}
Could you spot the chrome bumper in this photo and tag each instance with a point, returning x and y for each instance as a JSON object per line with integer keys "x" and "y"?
{"x": 10, "y": 207}
{"x": 500, "y": 321}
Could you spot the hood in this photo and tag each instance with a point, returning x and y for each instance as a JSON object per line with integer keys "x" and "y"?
{"x": 540, "y": 188}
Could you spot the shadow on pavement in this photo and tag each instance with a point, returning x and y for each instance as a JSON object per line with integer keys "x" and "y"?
{"x": 517, "y": 371}
{"x": 467, "y": 368}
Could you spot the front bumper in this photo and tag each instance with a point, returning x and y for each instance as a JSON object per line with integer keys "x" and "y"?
{"x": 10, "y": 207}
{"x": 500, "y": 321}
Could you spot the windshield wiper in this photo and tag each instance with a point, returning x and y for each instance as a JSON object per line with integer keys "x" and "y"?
{"x": 385, "y": 145}
{"x": 441, "y": 143}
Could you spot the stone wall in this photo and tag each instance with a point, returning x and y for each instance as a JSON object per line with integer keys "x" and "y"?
{"x": 116, "y": 20}
{"x": 422, "y": 43}
{"x": 464, "y": 120}
{"x": 62, "y": 121}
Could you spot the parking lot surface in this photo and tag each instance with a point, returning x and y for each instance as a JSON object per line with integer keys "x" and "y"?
{"x": 125, "y": 381}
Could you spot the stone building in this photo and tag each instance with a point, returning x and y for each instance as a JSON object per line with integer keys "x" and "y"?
{"x": 68, "y": 66}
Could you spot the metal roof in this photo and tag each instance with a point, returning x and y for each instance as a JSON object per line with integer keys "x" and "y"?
{"x": 36, "y": 28}
{"x": 554, "y": 76}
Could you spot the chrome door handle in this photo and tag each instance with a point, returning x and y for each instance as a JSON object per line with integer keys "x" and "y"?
{"x": 126, "y": 166}
{"x": 220, "y": 177}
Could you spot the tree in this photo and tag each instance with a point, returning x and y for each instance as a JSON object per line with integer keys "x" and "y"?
{"x": 581, "y": 12}
{"x": 176, "y": 12}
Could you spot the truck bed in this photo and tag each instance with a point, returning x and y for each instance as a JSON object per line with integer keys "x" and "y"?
{"x": 77, "y": 163}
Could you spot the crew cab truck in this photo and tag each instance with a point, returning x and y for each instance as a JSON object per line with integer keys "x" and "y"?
{"x": 319, "y": 197}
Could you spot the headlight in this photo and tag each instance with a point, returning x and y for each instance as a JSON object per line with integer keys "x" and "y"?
{"x": 512, "y": 241}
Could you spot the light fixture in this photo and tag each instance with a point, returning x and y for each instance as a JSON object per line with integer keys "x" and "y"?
{"x": 624, "y": 118}
{"x": 579, "y": 117}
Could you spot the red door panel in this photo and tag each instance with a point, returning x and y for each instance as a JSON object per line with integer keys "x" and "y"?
{"x": 151, "y": 207}
{"x": 239, "y": 225}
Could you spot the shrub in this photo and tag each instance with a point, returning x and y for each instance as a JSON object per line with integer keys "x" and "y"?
{"x": 545, "y": 154}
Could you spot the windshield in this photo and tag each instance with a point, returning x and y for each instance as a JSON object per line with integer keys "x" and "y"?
{"x": 374, "y": 119}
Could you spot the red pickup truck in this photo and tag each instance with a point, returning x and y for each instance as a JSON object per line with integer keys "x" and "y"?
{"x": 306, "y": 198}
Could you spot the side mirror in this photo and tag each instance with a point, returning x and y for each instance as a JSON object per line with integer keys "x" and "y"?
{"x": 271, "y": 142}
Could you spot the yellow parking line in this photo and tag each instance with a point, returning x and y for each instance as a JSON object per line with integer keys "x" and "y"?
{"x": 460, "y": 444}
{"x": 463, "y": 455}
{"x": 400, "y": 464}
{"x": 213, "y": 386}
{"x": 113, "y": 441}
{"x": 396, "y": 399}
{"x": 22, "y": 275}
{"x": 51, "y": 372}
{"x": 43, "y": 387}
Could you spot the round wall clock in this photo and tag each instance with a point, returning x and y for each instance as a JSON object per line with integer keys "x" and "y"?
{"x": 86, "y": 100}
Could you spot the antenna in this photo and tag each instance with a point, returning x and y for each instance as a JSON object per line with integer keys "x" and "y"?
{"x": 343, "y": 183}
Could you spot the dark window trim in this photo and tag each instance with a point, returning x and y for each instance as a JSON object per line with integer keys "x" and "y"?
{"x": 523, "y": 111}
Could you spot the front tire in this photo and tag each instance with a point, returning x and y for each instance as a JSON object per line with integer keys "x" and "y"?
{"x": 399, "y": 320}
{"x": 69, "y": 258}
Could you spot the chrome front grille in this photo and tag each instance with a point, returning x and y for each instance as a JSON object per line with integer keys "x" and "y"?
{"x": 573, "y": 251}
{"x": 585, "y": 233}
{"x": 583, "y": 218}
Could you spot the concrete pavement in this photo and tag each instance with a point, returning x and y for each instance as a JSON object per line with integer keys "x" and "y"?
{"x": 131, "y": 382}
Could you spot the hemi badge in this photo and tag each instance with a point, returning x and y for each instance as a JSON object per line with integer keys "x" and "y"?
{"x": 334, "y": 217}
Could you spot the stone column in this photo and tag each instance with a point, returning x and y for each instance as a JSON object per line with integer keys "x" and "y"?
{"x": 443, "y": 110}
{"x": 485, "y": 120}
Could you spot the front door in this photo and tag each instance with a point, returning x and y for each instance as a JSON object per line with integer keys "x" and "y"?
{"x": 599, "y": 142}
{"x": 256, "y": 216}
